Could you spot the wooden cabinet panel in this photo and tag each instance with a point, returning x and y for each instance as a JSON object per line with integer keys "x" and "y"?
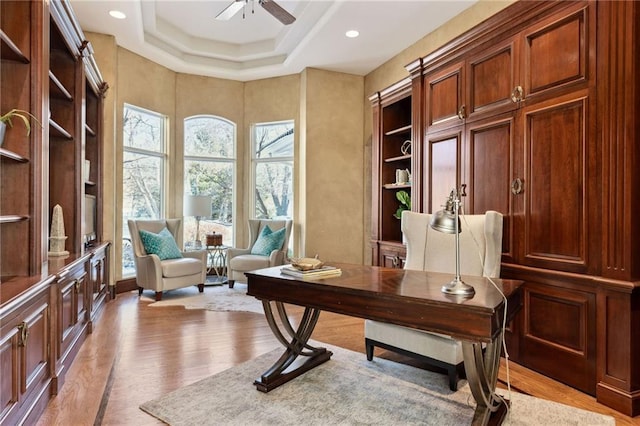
{"x": 98, "y": 281}
{"x": 444, "y": 96}
{"x": 72, "y": 315}
{"x": 490, "y": 159}
{"x": 558, "y": 331}
{"x": 556, "y": 233}
{"x": 557, "y": 51}
{"x": 24, "y": 356}
{"x": 9, "y": 373}
{"x": 392, "y": 255}
{"x": 493, "y": 77}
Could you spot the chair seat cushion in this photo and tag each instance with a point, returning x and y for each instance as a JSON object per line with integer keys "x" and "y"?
{"x": 248, "y": 262}
{"x": 433, "y": 345}
{"x": 172, "y": 268}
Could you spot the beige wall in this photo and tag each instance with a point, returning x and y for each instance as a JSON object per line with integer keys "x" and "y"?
{"x": 333, "y": 164}
{"x": 333, "y": 134}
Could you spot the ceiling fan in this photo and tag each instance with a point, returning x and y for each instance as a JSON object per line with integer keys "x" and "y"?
{"x": 270, "y": 6}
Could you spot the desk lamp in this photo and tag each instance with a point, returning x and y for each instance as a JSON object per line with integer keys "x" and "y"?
{"x": 200, "y": 207}
{"x": 448, "y": 222}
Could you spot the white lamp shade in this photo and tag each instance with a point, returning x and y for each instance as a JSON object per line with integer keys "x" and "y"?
{"x": 197, "y": 205}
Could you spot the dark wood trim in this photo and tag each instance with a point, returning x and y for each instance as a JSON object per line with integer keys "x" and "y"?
{"x": 125, "y": 285}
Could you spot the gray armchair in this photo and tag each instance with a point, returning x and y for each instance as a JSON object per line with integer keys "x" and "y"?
{"x": 241, "y": 260}
{"x": 429, "y": 250}
{"x": 160, "y": 275}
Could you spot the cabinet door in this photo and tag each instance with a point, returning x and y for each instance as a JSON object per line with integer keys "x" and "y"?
{"x": 492, "y": 85}
{"x": 556, "y": 51}
{"x": 24, "y": 358}
{"x": 555, "y": 232}
{"x": 9, "y": 373}
{"x": 392, "y": 256}
{"x": 444, "y": 97}
{"x": 98, "y": 279}
{"x": 557, "y": 338}
{"x": 488, "y": 172}
{"x": 71, "y": 310}
{"x": 442, "y": 165}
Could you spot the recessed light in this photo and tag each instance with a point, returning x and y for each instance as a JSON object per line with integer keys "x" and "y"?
{"x": 117, "y": 14}
{"x": 352, "y": 33}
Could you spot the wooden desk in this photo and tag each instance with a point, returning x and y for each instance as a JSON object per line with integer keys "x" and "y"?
{"x": 402, "y": 297}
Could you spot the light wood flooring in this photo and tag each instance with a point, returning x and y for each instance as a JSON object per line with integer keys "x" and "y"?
{"x": 137, "y": 353}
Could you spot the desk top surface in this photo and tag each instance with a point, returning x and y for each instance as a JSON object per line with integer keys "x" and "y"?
{"x": 404, "y": 297}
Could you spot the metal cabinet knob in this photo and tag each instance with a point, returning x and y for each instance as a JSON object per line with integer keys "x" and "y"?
{"x": 517, "y": 95}
{"x": 517, "y": 185}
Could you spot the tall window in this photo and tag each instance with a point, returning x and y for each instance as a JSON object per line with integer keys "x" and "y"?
{"x": 272, "y": 163}
{"x": 209, "y": 168}
{"x": 143, "y": 169}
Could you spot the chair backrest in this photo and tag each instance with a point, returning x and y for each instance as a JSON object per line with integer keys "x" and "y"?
{"x": 256, "y": 226}
{"x": 173, "y": 225}
{"x": 430, "y": 250}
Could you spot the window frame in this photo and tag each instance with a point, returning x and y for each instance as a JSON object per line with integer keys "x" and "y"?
{"x": 255, "y": 161}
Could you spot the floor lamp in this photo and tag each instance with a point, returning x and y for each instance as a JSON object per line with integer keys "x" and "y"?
{"x": 448, "y": 222}
{"x": 198, "y": 206}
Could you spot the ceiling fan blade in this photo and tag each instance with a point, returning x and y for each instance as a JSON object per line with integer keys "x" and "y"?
{"x": 277, "y": 11}
{"x": 230, "y": 10}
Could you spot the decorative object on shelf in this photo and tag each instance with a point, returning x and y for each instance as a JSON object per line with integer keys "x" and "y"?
{"x": 448, "y": 222}
{"x": 57, "y": 237}
{"x": 5, "y": 120}
{"x": 402, "y": 176}
{"x": 405, "y": 149}
{"x": 214, "y": 239}
{"x": 198, "y": 206}
{"x": 405, "y": 203}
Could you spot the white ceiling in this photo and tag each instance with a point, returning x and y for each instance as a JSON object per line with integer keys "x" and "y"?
{"x": 185, "y": 37}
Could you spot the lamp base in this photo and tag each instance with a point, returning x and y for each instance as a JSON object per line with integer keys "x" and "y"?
{"x": 458, "y": 288}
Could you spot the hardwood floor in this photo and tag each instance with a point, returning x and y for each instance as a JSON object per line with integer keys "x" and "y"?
{"x": 138, "y": 352}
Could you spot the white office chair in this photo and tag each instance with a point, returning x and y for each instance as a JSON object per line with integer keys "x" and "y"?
{"x": 430, "y": 250}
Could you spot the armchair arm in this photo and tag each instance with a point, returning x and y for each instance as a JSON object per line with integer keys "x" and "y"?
{"x": 149, "y": 272}
{"x": 233, "y": 252}
{"x": 276, "y": 258}
{"x": 201, "y": 255}
{"x": 196, "y": 254}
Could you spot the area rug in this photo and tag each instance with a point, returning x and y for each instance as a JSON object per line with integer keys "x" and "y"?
{"x": 347, "y": 390}
{"x": 218, "y": 298}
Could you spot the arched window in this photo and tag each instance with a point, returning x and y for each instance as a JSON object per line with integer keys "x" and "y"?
{"x": 209, "y": 169}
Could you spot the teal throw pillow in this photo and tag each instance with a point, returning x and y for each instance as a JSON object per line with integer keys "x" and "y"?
{"x": 163, "y": 244}
{"x": 268, "y": 241}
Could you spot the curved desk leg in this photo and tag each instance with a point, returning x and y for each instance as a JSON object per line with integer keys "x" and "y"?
{"x": 288, "y": 366}
{"x": 482, "y": 375}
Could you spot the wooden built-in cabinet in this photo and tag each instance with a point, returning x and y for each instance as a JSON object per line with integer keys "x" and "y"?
{"x": 47, "y": 303}
{"x": 534, "y": 114}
